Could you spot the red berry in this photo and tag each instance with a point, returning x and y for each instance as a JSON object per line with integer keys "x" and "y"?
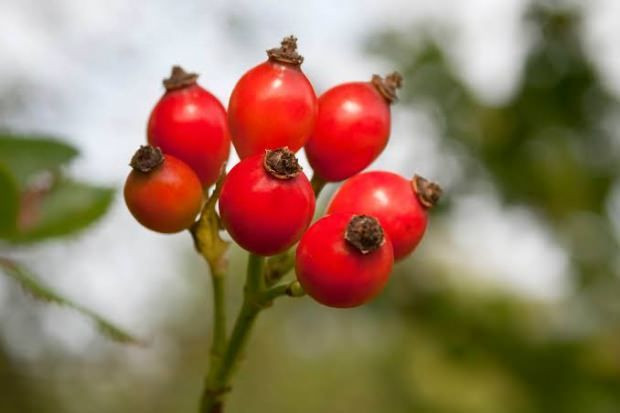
{"x": 190, "y": 123}
{"x": 394, "y": 201}
{"x": 344, "y": 260}
{"x": 266, "y": 202}
{"x": 162, "y": 193}
{"x": 352, "y": 127}
{"x": 273, "y": 105}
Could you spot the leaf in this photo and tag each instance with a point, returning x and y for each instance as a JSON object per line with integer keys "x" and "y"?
{"x": 68, "y": 207}
{"x": 26, "y": 156}
{"x": 42, "y": 292}
{"x": 9, "y": 202}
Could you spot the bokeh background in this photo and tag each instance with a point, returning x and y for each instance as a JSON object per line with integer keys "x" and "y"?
{"x": 512, "y": 303}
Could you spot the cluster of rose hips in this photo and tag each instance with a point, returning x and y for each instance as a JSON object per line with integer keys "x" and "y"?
{"x": 266, "y": 202}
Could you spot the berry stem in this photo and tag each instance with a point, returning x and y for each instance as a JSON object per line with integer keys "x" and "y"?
{"x": 317, "y": 184}
{"x": 292, "y": 289}
{"x": 218, "y": 344}
{"x": 257, "y": 296}
{"x": 213, "y": 398}
{"x": 245, "y": 320}
{"x": 278, "y": 266}
{"x": 208, "y": 243}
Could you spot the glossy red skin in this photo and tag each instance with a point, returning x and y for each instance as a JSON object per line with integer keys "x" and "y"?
{"x": 273, "y": 105}
{"x": 190, "y": 124}
{"x": 351, "y": 131}
{"x": 335, "y": 273}
{"x": 166, "y": 199}
{"x": 391, "y": 199}
{"x": 263, "y": 214}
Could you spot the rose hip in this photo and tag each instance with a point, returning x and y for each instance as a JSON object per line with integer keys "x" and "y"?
{"x": 352, "y": 127}
{"x": 344, "y": 260}
{"x": 401, "y": 205}
{"x": 190, "y": 124}
{"x": 162, "y": 192}
{"x": 267, "y": 202}
{"x": 273, "y": 105}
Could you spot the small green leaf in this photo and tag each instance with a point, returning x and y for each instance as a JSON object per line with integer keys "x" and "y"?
{"x": 112, "y": 332}
{"x": 42, "y": 292}
{"x": 9, "y": 202}
{"x": 26, "y": 156}
{"x": 68, "y": 207}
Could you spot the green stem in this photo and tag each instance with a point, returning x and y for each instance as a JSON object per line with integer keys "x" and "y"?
{"x": 218, "y": 344}
{"x": 278, "y": 266}
{"x": 219, "y": 313}
{"x": 253, "y": 303}
{"x": 254, "y": 281}
{"x": 226, "y": 356}
{"x": 317, "y": 184}
{"x": 293, "y": 289}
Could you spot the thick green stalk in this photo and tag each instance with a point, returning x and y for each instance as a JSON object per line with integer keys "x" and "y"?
{"x": 252, "y": 304}
{"x": 254, "y": 281}
{"x": 213, "y": 248}
{"x": 218, "y": 343}
{"x": 219, "y": 313}
{"x": 256, "y": 297}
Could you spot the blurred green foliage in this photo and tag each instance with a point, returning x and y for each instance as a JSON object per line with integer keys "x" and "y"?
{"x": 550, "y": 147}
{"x": 435, "y": 341}
{"x": 38, "y": 202}
{"x": 9, "y": 207}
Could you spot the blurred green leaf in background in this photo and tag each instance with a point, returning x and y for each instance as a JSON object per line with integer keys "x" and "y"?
{"x": 37, "y": 203}
{"x": 47, "y": 204}
{"x": 9, "y": 203}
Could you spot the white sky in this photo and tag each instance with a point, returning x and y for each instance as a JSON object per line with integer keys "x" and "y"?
{"x": 91, "y": 72}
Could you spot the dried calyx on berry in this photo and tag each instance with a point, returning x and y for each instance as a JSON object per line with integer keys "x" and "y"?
{"x": 364, "y": 233}
{"x": 388, "y": 86}
{"x": 287, "y": 52}
{"x": 179, "y": 79}
{"x": 281, "y": 163}
{"x": 147, "y": 158}
{"x": 428, "y": 192}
